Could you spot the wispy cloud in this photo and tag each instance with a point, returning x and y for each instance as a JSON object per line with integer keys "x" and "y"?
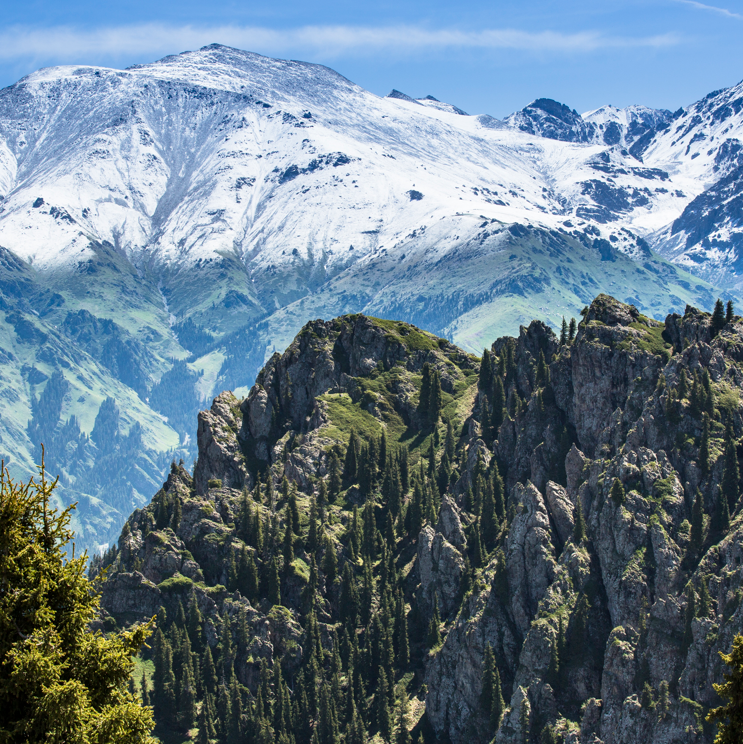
{"x": 66, "y": 43}
{"x": 712, "y": 9}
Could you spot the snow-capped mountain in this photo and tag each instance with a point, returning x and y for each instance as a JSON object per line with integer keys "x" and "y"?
{"x": 172, "y": 224}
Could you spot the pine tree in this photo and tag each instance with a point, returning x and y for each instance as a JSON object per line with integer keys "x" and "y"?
{"x": 571, "y": 330}
{"x": 729, "y": 716}
{"x": 434, "y": 634}
{"x": 579, "y": 530}
{"x": 288, "y": 551}
{"x": 683, "y": 386}
{"x": 488, "y": 682}
{"x": 543, "y": 372}
{"x": 697, "y": 526}
{"x": 718, "y": 318}
{"x": 617, "y": 492}
{"x": 486, "y": 371}
{"x": 478, "y": 555}
{"x": 435, "y": 401}
{"x": 330, "y": 561}
{"x": 730, "y": 312}
{"x": 59, "y": 681}
{"x": 730, "y": 472}
{"x": 274, "y": 583}
{"x": 704, "y": 445}
{"x": 489, "y": 517}
{"x": 424, "y": 398}
{"x": 563, "y": 332}
{"x": 382, "y": 705}
{"x": 722, "y": 515}
{"x": 175, "y": 519}
{"x": 351, "y": 468}
{"x": 334, "y": 476}
{"x": 499, "y": 405}
{"x": 403, "y": 735}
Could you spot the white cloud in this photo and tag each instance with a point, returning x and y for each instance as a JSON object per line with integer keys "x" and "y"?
{"x": 66, "y": 43}
{"x": 712, "y": 8}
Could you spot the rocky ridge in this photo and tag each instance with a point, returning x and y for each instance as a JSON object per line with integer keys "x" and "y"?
{"x": 604, "y": 589}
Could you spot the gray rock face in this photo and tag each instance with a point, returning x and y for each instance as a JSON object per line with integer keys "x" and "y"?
{"x": 220, "y": 456}
{"x": 440, "y": 566}
{"x": 632, "y": 574}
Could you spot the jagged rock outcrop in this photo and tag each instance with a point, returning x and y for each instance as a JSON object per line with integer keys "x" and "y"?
{"x": 586, "y": 533}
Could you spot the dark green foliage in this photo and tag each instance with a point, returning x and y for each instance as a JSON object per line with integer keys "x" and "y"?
{"x": 617, "y": 492}
{"x": 434, "y": 632}
{"x": 571, "y": 330}
{"x": 697, "y": 526}
{"x": 274, "y": 583}
{"x": 729, "y": 312}
{"x": 729, "y": 716}
{"x": 730, "y": 472}
{"x": 486, "y": 371}
{"x": 579, "y": 529}
{"x": 683, "y": 386}
{"x": 58, "y": 680}
{"x": 718, "y": 318}
{"x": 721, "y": 518}
{"x": 563, "y": 332}
{"x": 543, "y": 372}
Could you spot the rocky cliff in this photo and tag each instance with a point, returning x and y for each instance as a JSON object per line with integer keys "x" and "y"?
{"x": 568, "y": 509}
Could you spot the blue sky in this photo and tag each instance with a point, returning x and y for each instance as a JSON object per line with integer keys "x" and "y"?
{"x": 484, "y": 56}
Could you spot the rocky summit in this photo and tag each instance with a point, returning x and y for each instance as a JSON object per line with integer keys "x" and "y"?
{"x": 392, "y": 538}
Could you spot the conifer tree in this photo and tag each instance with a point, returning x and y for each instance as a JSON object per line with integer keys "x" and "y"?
{"x": 705, "y": 601}
{"x": 334, "y": 476}
{"x": 175, "y": 519}
{"x": 288, "y": 551}
{"x": 571, "y": 330}
{"x": 730, "y": 472}
{"x": 721, "y": 524}
{"x": 382, "y": 706}
{"x": 729, "y": 716}
{"x": 617, "y": 492}
{"x": 697, "y": 526}
{"x": 718, "y": 318}
{"x": 498, "y": 704}
{"x": 59, "y": 681}
{"x": 543, "y": 372}
{"x": 274, "y": 583}
{"x": 449, "y": 443}
{"x": 486, "y": 371}
{"x": 330, "y": 561}
{"x": 499, "y": 405}
{"x": 683, "y": 386}
{"x": 704, "y": 445}
{"x": 435, "y": 401}
{"x": 434, "y": 633}
{"x": 350, "y": 472}
{"x": 709, "y": 397}
{"x": 478, "y": 554}
{"x": 424, "y": 398}
{"x": 729, "y": 312}
{"x": 563, "y": 332}
{"x": 579, "y": 530}
{"x": 498, "y": 492}
{"x": 488, "y": 681}
{"x": 489, "y": 517}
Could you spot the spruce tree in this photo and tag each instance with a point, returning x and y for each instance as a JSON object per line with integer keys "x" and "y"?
{"x": 697, "y": 526}
{"x": 683, "y": 386}
{"x": 330, "y": 561}
{"x": 382, "y": 706}
{"x": 499, "y": 405}
{"x": 563, "y": 332}
{"x": 571, "y": 330}
{"x": 274, "y": 583}
{"x": 424, "y": 398}
{"x": 729, "y": 716}
{"x": 435, "y": 402}
{"x": 486, "y": 371}
{"x": 288, "y": 551}
{"x": 729, "y": 312}
{"x": 579, "y": 530}
{"x": 730, "y": 472}
{"x": 617, "y": 492}
{"x": 718, "y": 318}
{"x": 434, "y": 633}
{"x": 704, "y": 445}
{"x": 59, "y": 680}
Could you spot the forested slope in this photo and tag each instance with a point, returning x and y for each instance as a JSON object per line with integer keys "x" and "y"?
{"x": 540, "y": 545}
